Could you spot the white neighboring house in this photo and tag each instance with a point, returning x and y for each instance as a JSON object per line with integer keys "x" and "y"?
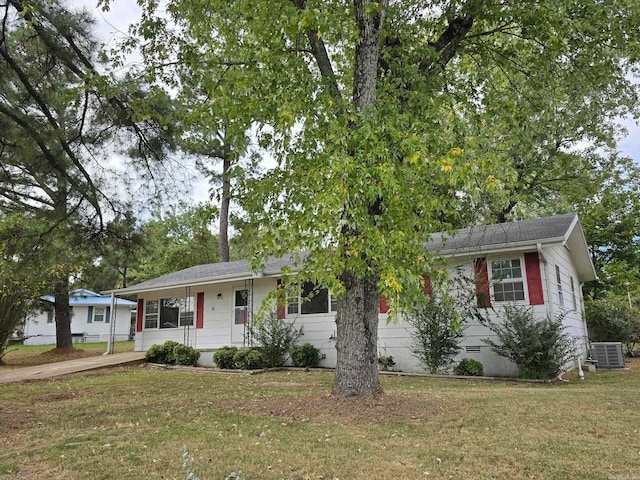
{"x": 539, "y": 263}
{"x": 91, "y": 318}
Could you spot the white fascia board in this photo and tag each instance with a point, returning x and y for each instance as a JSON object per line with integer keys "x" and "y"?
{"x": 190, "y": 283}
{"x": 500, "y": 248}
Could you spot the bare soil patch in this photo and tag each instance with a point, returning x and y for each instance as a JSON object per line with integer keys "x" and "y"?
{"x": 13, "y": 420}
{"x": 385, "y": 408}
{"x": 29, "y": 359}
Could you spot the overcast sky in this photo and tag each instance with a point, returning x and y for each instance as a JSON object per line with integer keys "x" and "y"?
{"x": 115, "y": 23}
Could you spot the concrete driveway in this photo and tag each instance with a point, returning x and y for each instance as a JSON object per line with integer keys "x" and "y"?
{"x": 57, "y": 369}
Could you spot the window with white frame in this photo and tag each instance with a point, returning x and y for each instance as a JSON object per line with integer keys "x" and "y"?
{"x": 312, "y": 300}
{"x": 507, "y": 280}
{"x": 559, "y": 283}
{"x": 170, "y": 312}
{"x": 98, "y": 314}
{"x": 240, "y": 306}
{"x": 573, "y": 294}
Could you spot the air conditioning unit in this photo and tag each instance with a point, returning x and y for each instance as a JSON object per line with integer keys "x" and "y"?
{"x": 607, "y": 354}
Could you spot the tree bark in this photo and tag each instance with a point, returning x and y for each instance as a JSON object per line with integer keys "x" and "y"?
{"x": 62, "y": 314}
{"x": 357, "y": 316}
{"x": 224, "y": 209}
{"x": 356, "y": 338}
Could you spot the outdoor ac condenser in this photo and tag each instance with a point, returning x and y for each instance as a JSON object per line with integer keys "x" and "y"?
{"x": 607, "y": 354}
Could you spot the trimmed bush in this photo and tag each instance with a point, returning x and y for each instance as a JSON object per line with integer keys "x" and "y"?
{"x": 469, "y": 367}
{"x": 386, "y": 362}
{"x": 223, "y": 357}
{"x": 185, "y": 355}
{"x": 305, "y": 355}
{"x": 162, "y": 353}
{"x": 248, "y": 359}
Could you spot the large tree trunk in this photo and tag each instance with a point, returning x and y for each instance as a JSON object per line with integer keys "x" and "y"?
{"x": 357, "y": 317}
{"x": 224, "y": 209}
{"x": 62, "y": 315}
{"x": 357, "y": 336}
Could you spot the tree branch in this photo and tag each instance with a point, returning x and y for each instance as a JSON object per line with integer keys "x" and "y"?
{"x": 323, "y": 61}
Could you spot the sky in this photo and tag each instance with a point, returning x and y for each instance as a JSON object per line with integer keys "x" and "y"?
{"x": 114, "y": 24}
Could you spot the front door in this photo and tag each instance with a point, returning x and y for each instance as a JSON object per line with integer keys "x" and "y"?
{"x": 240, "y": 321}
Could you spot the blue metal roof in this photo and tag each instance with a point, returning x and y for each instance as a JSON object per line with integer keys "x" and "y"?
{"x": 83, "y": 297}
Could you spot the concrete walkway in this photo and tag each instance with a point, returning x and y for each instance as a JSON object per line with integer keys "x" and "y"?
{"x": 51, "y": 370}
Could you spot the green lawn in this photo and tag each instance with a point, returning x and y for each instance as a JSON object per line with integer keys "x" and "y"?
{"x": 27, "y": 355}
{"x": 131, "y": 423}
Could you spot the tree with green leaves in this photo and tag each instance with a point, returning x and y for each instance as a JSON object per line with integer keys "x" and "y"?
{"x": 57, "y": 114}
{"x": 386, "y": 120}
{"x": 175, "y": 241}
{"x": 18, "y": 269}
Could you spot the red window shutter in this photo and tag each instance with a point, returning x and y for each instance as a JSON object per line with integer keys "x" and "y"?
{"x": 281, "y": 298}
{"x": 139, "y": 315}
{"x": 384, "y": 306}
{"x": 200, "y": 310}
{"x": 534, "y": 278}
{"x": 481, "y": 274}
{"x": 427, "y": 286}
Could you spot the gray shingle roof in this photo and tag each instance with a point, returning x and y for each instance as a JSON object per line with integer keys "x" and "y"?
{"x": 546, "y": 228}
{"x": 211, "y": 271}
{"x": 476, "y": 238}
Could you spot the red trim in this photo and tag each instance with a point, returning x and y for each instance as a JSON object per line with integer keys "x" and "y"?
{"x": 426, "y": 288}
{"x": 282, "y": 308}
{"x": 481, "y": 274}
{"x": 534, "y": 278}
{"x": 200, "y": 310}
{"x": 140, "y": 315}
{"x": 383, "y": 305}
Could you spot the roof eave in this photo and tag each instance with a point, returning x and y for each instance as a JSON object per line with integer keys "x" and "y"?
{"x": 191, "y": 283}
{"x": 498, "y": 248}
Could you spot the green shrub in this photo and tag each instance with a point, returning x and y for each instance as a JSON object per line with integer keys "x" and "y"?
{"x": 437, "y": 332}
{"x": 611, "y": 322}
{"x": 185, "y": 355}
{"x": 539, "y": 348}
{"x": 162, "y": 353}
{"x": 276, "y": 337}
{"x": 305, "y": 355}
{"x": 223, "y": 357}
{"x": 469, "y": 367}
{"x": 248, "y": 359}
{"x": 386, "y": 362}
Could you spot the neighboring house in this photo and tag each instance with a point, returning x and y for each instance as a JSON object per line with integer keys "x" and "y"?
{"x": 539, "y": 263}
{"x": 91, "y": 319}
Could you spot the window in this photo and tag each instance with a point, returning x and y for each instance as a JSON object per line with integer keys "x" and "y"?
{"x": 573, "y": 294}
{"x": 171, "y": 312}
{"x": 151, "y": 314}
{"x": 241, "y": 302}
{"x": 559, "y": 282}
{"x": 313, "y": 300}
{"x": 50, "y": 316}
{"x": 98, "y": 314}
{"x": 293, "y": 308}
{"x": 508, "y": 283}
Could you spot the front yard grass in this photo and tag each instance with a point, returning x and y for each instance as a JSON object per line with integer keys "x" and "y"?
{"x": 131, "y": 423}
{"x": 30, "y": 355}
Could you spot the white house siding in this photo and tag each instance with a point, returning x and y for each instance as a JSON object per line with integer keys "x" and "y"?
{"x": 40, "y": 332}
{"x": 574, "y": 318}
{"x": 393, "y": 338}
